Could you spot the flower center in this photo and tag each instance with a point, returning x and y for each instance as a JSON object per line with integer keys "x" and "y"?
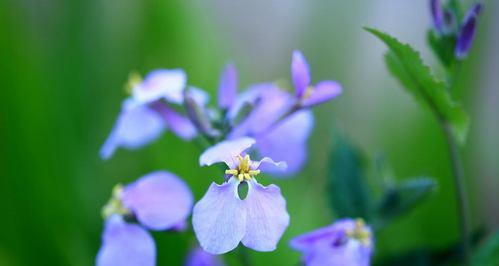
{"x": 307, "y": 93}
{"x": 243, "y": 171}
{"x": 360, "y": 232}
{"x": 134, "y": 79}
{"x": 115, "y": 205}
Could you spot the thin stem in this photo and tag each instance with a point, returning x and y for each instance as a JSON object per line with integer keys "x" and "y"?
{"x": 244, "y": 257}
{"x": 461, "y": 196}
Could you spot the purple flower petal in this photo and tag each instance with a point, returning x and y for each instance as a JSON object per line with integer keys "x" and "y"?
{"x": 322, "y": 92}
{"x": 125, "y": 245}
{"x": 300, "y": 73}
{"x": 200, "y": 96}
{"x": 266, "y": 217}
{"x": 219, "y": 218}
{"x": 225, "y": 151}
{"x": 287, "y": 142}
{"x": 437, "y": 15}
{"x": 160, "y": 200}
{"x": 227, "y": 89}
{"x": 199, "y": 257}
{"x": 467, "y": 31}
{"x": 268, "y": 163}
{"x": 136, "y": 126}
{"x": 163, "y": 83}
{"x": 180, "y": 125}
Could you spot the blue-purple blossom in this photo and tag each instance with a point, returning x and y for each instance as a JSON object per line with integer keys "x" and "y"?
{"x": 227, "y": 89}
{"x": 307, "y": 94}
{"x": 437, "y": 14}
{"x": 345, "y": 242}
{"x": 221, "y": 219}
{"x": 145, "y": 115}
{"x": 199, "y": 257}
{"x": 157, "y": 201}
{"x": 467, "y": 31}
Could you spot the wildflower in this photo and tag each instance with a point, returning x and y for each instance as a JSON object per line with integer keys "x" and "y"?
{"x": 199, "y": 257}
{"x": 345, "y": 242}
{"x": 222, "y": 219}
{"x": 145, "y": 115}
{"x": 467, "y": 31}
{"x": 307, "y": 94}
{"x": 157, "y": 201}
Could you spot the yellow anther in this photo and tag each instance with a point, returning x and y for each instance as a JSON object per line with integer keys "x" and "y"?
{"x": 360, "y": 232}
{"x": 114, "y": 205}
{"x": 308, "y": 92}
{"x": 231, "y": 172}
{"x": 134, "y": 79}
{"x": 243, "y": 170}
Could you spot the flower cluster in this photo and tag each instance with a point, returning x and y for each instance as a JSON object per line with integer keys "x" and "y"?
{"x": 448, "y": 24}
{"x": 265, "y": 121}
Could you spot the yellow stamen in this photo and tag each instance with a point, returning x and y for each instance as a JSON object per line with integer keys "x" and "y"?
{"x": 308, "y": 92}
{"x": 243, "y": 170}
{"x": 114, "y": 205}
{"x": 360, "y": 232}
{"x": 134, "y": 79}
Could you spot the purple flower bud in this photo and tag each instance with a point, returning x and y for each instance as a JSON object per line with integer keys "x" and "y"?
{"x": 437, "y": 14}
{"x": 467, "y": 31}
{"x": 345, "y": 242}
{"x": 227, "y": 89}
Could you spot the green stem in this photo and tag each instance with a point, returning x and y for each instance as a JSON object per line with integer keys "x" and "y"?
{"x": 461, "y": 196}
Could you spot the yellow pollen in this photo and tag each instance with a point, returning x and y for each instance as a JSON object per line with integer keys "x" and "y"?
{"x": 308, "y": 92}
{"x": 134, "y": 79}
{"x": 360, "y": 232}
{"x": 243, "y": 170}
{"x": 114, "y": 205}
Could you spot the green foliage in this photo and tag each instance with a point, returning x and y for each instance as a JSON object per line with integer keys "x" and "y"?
{"x": 347, "y": 188}
{"x": 407, "y": 66}
{"x": 488, "y": 253}
{"x": 401, "y": 198}
{"x": 443, "y": 48}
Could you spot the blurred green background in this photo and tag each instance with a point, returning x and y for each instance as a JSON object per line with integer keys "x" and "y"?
{"x": 63, "y": 65}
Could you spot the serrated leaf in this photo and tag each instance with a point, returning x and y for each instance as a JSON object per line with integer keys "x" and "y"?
{"x": 443, "y": 48}
{"x": 401, "y": 198}
{"x": 347, "y": 187}
{"x": 407, "y": 66}
{"x": 488, "y": 253}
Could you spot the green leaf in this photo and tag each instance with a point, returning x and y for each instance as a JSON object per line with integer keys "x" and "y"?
{"x": 488, "y": 253}
{"x": 407, "y": 66}
{"x": 443, "y": 48}
{"x": 347, "y": 186}
{"x": 401, "y": 198}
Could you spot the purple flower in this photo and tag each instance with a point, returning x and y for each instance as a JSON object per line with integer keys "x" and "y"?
{"x": 345, "y": 242}
{"x": 145, "y": 115}
{"x": 227, "y": 89}
{"x": 158, "y": 201}
{"x": 467, "y": 31}
{"x": 307, "y": 94}
{"x": 222, "y": 219}
{"x": 437, "y": 15}
{"x": 199, "y": 257}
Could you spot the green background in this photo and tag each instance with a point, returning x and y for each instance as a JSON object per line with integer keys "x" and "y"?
{"x": 62, "y": 69}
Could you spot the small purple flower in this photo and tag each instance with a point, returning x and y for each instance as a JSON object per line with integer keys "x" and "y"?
{"x": 467, "y": 31}
{"x": 199, "y": 257}
{"x": 145, "y": 115}
{"x": 437, "y": 15}
{"x": 345, "y": 242}
{"x": 221, "y": 219}
{"x": 158, "y": 201}
{"x": 307, "y": 94}
{"x": 227, "y": 89}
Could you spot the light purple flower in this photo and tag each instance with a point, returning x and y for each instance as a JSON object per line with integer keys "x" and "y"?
{"x": 345, "y": 242}
{"x": 281, "y": 139}
{"x": 227, "y": 89}
{"x": 307, "y": 94}
{"x": 221, "y": 219}
{"x": 145, "y": 115}
{"x": 158, "y": 201}
{"x": 467, "y": 31}
{"x": 199, "y": 257}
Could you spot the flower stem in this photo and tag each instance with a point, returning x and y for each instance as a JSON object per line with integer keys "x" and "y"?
{"x": 461, "y": 196}
{"x": 244, "y": 257}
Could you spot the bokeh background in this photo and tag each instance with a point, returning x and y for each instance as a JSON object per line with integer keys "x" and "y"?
{"x": 62, "y": 69}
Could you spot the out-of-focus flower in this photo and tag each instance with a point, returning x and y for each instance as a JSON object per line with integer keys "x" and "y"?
{"x": 145, "y": 115}
{"x": 437, "y": 15}
{"x": 221, "y": 219}
{"x": 227, "y": 89}
{"x": 467, "y": 31}
{"x": 345, "y": 242}
{"x": 307, "y": 94}
{"x": 199, "y": 257}
{"x": 158, "y": 201}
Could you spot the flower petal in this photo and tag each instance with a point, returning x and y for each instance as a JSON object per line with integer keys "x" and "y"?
{"x": 219, "y": 218}
{"x": 227, "y": 89}
{"x": 225, "y": 151}
{"x": 180, "y": 125}
{"x": 287, "y": 142}
{"x": 322, "y": 92}
{"x": 163, "y": 83}
{"x": 467, "y": 31}
{"x": 199, "y": 257}
{"x": 437, "y": 15}
{"x": 266, "y": 216}
{"x": 200, "y": 96}
{"x": 136, "y": 126}
{"x": 269, "y": 164}
{"x": 160, "y": 200}
{"x": 125, "y": 245}
{"x": 300, "y": 73}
